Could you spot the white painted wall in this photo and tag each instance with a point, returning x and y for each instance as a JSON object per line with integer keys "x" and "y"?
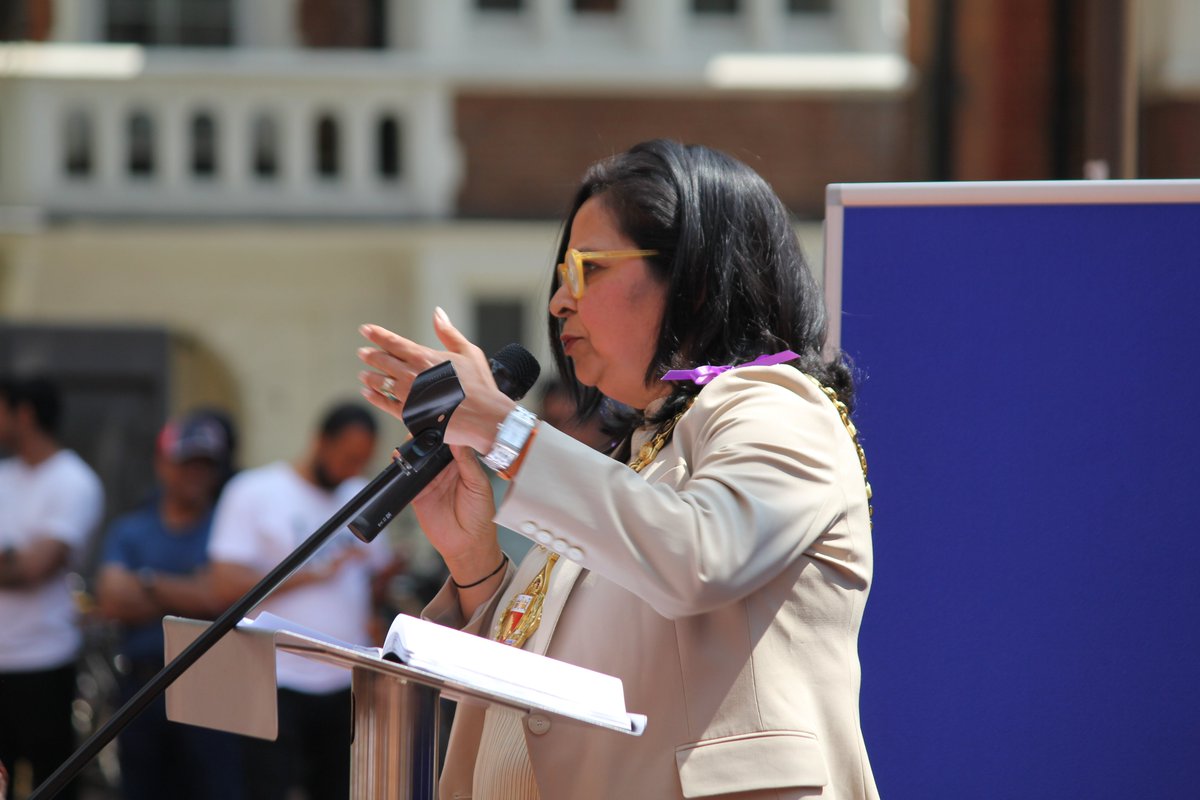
{"x": 278, "y": 305}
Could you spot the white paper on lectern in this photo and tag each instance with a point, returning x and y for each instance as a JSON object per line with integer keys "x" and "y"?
{"x": 515, "y": 674}
{"x": 273, "y": 622}
{"x": 507, "y": 670}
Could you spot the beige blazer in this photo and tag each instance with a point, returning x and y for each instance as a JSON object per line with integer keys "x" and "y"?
{"x": 724, "y": 585}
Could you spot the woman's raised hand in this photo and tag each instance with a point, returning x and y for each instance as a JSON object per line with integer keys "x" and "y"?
{"x": 396, "y": 361}
{"x": 455, "y": 510}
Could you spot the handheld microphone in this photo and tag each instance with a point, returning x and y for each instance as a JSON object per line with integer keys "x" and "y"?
{"x": 422, "y": 457}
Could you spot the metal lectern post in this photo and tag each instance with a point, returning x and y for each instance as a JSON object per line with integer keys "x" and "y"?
{"x": 395, "y": 746}
{"x": 394, "y": 733}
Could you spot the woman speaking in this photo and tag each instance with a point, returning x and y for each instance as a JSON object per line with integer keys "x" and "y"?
{"x": 718, "y": 559}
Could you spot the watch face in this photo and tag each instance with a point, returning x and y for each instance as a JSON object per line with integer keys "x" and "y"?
{"x": 514, "y": 433}
{"x": 516, "y": 428}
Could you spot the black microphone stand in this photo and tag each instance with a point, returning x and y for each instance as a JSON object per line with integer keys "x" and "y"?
{"x": 435, "y": 395}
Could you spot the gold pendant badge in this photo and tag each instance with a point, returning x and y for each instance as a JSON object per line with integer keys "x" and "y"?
{"x": 524, "y": 612}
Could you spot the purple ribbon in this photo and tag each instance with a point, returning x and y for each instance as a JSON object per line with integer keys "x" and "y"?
{"x": 704, "y": 374}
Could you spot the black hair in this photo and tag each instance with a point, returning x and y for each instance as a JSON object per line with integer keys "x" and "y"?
{"x": 738, "y": 285}
{"x": 557, "y": 387}
{"x": 347, "y": 415}
{"x": 41, "y": 395}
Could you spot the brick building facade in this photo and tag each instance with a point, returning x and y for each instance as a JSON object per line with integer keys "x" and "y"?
{"x": 998, "y": 90}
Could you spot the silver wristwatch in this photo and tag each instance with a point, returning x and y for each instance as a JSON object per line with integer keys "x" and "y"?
{"x": 511, "y": 438}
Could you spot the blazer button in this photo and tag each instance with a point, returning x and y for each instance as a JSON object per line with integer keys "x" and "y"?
{"x": 529, "y": 527}
{"x": 574, "y": 553}
{"x": 538, "y": 724}
{"x": 559, "y": 546}
{"x": 542, "y": 537}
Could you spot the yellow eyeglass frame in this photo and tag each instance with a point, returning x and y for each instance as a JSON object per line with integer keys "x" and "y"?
{"x": 570, "y": 271}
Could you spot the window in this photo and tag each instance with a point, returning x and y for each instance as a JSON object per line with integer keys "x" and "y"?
{"x": 715, "y": 6}
{"x": 499, "y": 5}
{"x": 596, "y": 6}
{"x": 342, "y": 24}
{"x": 389, "y": 148}
{"x": 77, "y": 144}
{"x": 204, "y": 145}
{"x": 14, "y": 22}
{"x": 328, "y": 147}
{"x": 129, "y": 21}
{"x": 498, "y": 321}
{"x": 809, "y": 6}
{"x": 264, "y": 143}
{"x": 190, "y": 23}
{"x": 140, "y": 130}
{"x": 377, "y": 14}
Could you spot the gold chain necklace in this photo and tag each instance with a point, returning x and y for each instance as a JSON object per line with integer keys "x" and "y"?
{"x": 649, "y": 451}
{"x": 844, "y": 413}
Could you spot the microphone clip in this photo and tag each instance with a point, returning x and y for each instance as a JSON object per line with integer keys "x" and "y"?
{"x": 434, "y": 396}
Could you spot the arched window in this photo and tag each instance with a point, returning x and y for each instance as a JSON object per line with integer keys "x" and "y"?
{"x": 204, "y": 145}
{"x": 264, "y": 139}
{"x": 328, "y": 147}
{"x": 389, "y": 148}
{"x": 140, "y": 144}
{"x": 77, "y": 144}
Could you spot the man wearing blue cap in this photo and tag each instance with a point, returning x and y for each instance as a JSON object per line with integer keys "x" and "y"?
{"x": 155, "y": 563}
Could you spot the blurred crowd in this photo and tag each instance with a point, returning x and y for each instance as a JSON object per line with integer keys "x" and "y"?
{"x": 73, "y": 648}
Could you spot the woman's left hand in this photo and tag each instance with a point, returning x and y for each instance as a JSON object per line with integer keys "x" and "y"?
{"x": 398, "y": 361}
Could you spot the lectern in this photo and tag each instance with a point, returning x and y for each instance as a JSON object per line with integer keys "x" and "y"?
{"x": 395, "y": 718}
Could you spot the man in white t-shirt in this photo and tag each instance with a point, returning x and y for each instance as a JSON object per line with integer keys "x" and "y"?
{"x": 262, "y": 516}
{"x": 50, "y": 504}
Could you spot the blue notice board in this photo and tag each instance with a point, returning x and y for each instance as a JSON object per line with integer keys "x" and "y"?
{"x": 1029, "y": 403}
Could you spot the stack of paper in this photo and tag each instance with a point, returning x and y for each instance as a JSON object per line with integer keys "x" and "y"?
{"x": 507, "y": 671}
{"x": 521, "y": 678}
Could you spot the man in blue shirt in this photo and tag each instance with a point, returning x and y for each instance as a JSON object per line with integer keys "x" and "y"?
{"x": 155, "y": 563}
